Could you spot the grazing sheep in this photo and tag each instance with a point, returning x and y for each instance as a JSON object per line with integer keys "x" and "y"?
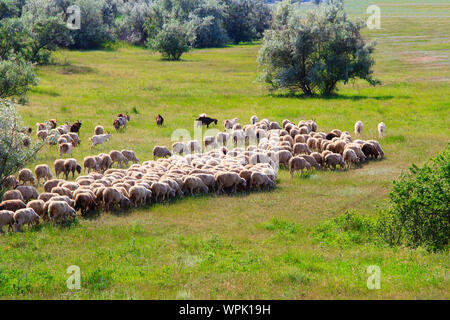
{"x": 161, "y": 190}
{"x": 139, "y": 195}
{"x": 25, "y": 175}
{"x": 359, "y": 128}
{"x": 229, "y": 180}
{"x": 194, "y": 184}
{"x": 112, "y": 196}
{"x": 45, "y": 196}
{"x": 84, "y": 202}
{"x": 318, "y": 157}
{"x": 50, "y": 184}
{"x": 130, "y": 156}
{"x": 28, "y": 192}
{"x": 65, "y": 148}
{"x": 13, "y": 195}
{"x": 71, "y": 165}
{"x": 25, "y": 216}
{"x": 10, "y": 182}
{"x": 350, "y": 157}
{"x": 63, "y": 191}
{"x": 42, "y": 171}
{"x": 106, "y": 162}
{"x": 99, "y": 139}
{"x": 161, "y": 152}
{"x": 37, "y": 206}
{"x": 381, "y": 129}
{"x": 118, "y": 157}
{"x": 59, "y": 166}
{"x": 261, "y": 181}
{"x": 369, "y": 150}
{"x": 300, "y": 148}
{"x": 12, "y": 205}
{"x": 378, "y": 147}
{"x": 60, "y": 211}
{"x": 90, "y": 163}
{"x": 75, "y": 138}
{"x": 298, "y": 164}
{"x": 283, "y": 157}
{"x": 6, "y": 219}
{"x": 334, "y": 159}
{"x": 312, "y": 161}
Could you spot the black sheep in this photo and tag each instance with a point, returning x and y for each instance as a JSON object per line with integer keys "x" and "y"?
{"x": 206, "y": 121}
{"x": 159, "y": 120}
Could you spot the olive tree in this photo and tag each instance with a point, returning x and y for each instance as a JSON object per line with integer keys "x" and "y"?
{"x": 171, "y": 41}
{"x": 13, "y": 154}
{"x": 16, "y": 77}
{"x": 315, "y": 51}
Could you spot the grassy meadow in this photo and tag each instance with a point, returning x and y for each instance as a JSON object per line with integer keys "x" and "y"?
{"x": 270, "y": 245}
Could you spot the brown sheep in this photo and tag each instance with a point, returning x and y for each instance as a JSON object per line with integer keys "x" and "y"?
{"x": 300, "y": 148}
{"x": 298, "y": 164}
{"x": 59, "y": 167}
{"x": 45, "y": 196}
{"x": 334, "y": 159}
{"x": 229, "y": 180}
{"x": 50, "y": 184}
{"x": 161, "y": 152}
{"x": 25, "y": 175}
{"x": 63, "y": 191}
{"x": 28, "y": 192}
{"x": 90, "y": 163}
{"x": 6, "y": 218}
{"x": 37, "y": 206}
{"x": 84, "y": 202}
{"x": 119, "y": 158}
{"x": 350, "y": 157}
{"x": 12, "y": 195}
{"x": 312, "y": 161}
{"x": 112, "y": 196}
{"x": 42, "y": 171}
{"x": 261, "y": 181}
{"x": 25, "y": 216}
{"x": 130, "y": 156}
{"x": 71, "y": 165}
{"x": 370, "y": 151}
{"x": 60, "y": 211}
{"x": 12, "y": 205}
{"x": 10, "y": 182}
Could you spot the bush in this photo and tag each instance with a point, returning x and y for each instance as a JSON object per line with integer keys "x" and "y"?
{"x": 16, "y": 77}
{"x": 312, "y": 53}
{"x": 13, "y": 155}
{"x": 171, "y": 41}
{"x": 419, "y": 212}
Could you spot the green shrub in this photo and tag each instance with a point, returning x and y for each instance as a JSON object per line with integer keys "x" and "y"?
{"x": 419, "y": 211}
{"x": 16, "y": 77}
{"x": 13, "y": 155}
{"x": 171, "y": 41}
{"x": 312, "y": 53}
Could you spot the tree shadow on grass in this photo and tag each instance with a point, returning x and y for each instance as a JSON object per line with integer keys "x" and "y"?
{"x": 334, "y": 96}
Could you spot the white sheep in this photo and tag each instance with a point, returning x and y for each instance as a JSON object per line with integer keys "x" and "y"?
{"x": 359, "y": 128}
{"x": 381, "y": 129}
{"x": 99, "y": 139}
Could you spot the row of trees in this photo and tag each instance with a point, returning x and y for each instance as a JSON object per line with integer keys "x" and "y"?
{"x": 31, "y": 29}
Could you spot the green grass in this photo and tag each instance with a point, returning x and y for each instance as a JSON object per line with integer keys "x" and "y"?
{"x": 283, "y": 244}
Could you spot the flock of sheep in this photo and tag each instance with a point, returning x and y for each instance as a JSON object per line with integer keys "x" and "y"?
{"x": 242, "y": 158}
